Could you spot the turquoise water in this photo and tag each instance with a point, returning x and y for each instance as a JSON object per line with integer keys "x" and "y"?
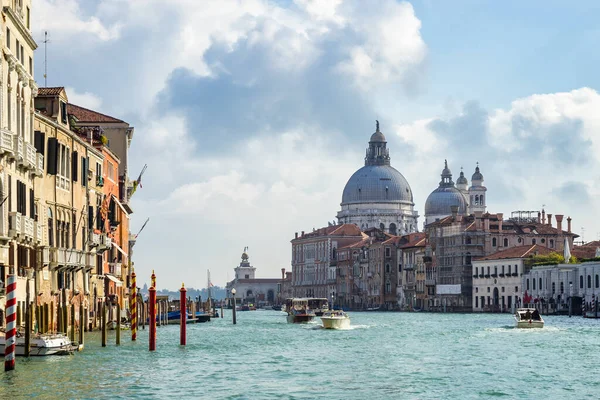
{"x": 384, "y": 356}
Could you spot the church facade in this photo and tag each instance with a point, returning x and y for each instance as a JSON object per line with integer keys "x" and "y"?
{"x": 249, "y": 289}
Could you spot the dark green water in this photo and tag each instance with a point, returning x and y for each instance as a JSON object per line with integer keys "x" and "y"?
{"x": 384, "y": 356}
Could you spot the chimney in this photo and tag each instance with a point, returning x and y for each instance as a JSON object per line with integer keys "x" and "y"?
{"x": 500, "y": 216}
{"x": 543, "y": 216}
{"x": 539, "y": 217}
{"x": 559, "y": 219}
{"x": 569, "y": 224}
{"x": 302, "y": 234}
{"x": 296, "y": 235}
{"x": 454, "y": 210}
{"x": 282, "y": 274}
{"x": 549, "y": 219}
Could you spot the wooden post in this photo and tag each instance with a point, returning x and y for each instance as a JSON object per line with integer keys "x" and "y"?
{"x": 103, "y": 324}
{"x": 143, "y": 312}
{"x": 152, "y": 318}
{"x": 11, "y": 326}
{"x": 221, "y": 308}
{"x": 134, "y": 308}
{"x": 183, "y": 315}
{"x": 52, "y": 321}
{"x": 81, "y": 323}
{"x": 118, "y": 335}
{"x": 27, "y": 320}
{"x": 73, "y": 329}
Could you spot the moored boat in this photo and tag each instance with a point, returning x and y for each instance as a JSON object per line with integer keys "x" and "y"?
{"x": 335, "y": 319}
{"x": 43, "y": 345}
{"x": 528, "y": 318}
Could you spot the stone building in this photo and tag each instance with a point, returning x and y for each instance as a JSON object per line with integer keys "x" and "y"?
{"x": 352, "y": 264}
{"x": 377, "y": 195}
{"x": 314, "y": 254}
{"x": 497, "y": 278}
{"x": 249, "y": 289}
{"x": 411, "y": 250}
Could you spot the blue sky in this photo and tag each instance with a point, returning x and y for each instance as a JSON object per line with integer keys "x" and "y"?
{"x": 252, "y": 115}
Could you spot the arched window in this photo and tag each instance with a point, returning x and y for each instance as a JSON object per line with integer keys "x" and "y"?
{"x": 581, "y": 282}
{"x": 589, "y": 279}
{"x": 393, "y": 229}
{"x": 468, "y": 259}
{"x": 551, "y": 243}
{"x": 532, "y": 241}
{"x": 50, "y": 228}
{"x": 476, "y": 199}
{"x": 388, "y": 287}
{"x": 382, "y": 227}
{"x": 481, "y": 202}
{"x": 505, "y": 242}
{"x": 494, "y": 242}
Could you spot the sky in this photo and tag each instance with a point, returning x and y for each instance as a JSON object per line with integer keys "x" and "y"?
{"x": 253, "y": 114}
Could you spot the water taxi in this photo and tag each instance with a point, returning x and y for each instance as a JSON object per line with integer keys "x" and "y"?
{"x": 528, "y": 318}
{"x": 298, "y": 310}
{"x": 335, "y": 319}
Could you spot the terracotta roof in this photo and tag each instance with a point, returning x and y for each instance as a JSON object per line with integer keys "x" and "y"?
{"x": 518, "y": 252}
{"x": 50, "y": 91}
{"x": 333, "y": 230}
{"x": 86, "y": 115}
{"x": 585, "y": 251}
{"x": 418, "y": 241}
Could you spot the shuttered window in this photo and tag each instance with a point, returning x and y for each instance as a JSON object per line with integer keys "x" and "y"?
{"x": 52, "y": 159}
{"x": 75, "y": 165}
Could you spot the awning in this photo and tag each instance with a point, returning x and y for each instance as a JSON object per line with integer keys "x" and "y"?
{"x": 115, "y": 280}
{"x": 120, "y": 205}
{"x": 120, "y": 249}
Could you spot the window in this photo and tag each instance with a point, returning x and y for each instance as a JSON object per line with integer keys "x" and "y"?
{"x": 476, "y": 290}
{"x": 527, "y": 284}
{"x": 597, "y": 281}
{"x": 8, "y": 38}
{"x": 508, "y": 273}
{"x": 110, "y": 171}
{"x": 562, "y": 287}
{"x": 581, "y": 282}
{"x": 50, "y": 228}
{"x": 388, "y": 287}
{"x": 532, "y": 241}
{"x": 589, "y": 281}
{"x": 22, "y": 54}
{"x": 488, "y": 289}
{"x": 502, "y": 289}
{"x": 551, "y": 243}
{"x": 476, "y": 271}
{"x": 98, "y": 170}
{"x": 541, "y": 284}
{"x": 494, "y": 242}
{"x": 553, "y": 287}
{"x": 476, "y": 302}
{"x": 63, "y": 112}
{"x": 17, "y": 48}
{"x": 516, "y": 289}
{"x": 505, "y": 242}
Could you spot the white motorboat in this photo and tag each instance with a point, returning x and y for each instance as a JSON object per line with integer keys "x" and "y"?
{"x": 335, "y": 319}
{"x": 43, "y": 345}
{"x": 528, "y": 318}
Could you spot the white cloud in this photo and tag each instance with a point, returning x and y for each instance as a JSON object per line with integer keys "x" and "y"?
{"x": 85, "y": 99}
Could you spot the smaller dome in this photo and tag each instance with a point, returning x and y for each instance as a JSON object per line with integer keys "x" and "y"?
{"x": 442, "y": 198}
{"x": 377, "y": 136}
{"x": 461, "y": 179}
{"x": 477, "y": 176}
{"x": 446, "y": 171}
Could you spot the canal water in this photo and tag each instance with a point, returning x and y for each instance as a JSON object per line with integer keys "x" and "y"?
{"x": 383, "y": 356}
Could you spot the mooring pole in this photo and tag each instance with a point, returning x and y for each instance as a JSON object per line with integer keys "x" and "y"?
{"x": 134, "y": 320}
{"x": 152, "y": 318}
{"x": 11, "y": 326}
{"x": 118, "y": 335}
{"x": 103, "y": 324}
{"x": 183, "y": 315}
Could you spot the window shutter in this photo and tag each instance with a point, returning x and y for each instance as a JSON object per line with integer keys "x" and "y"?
{"x": 84, "y": 171}
{"x": 91, "y": 217}
{"x": 52, "y": 160}
{"x": 40, "y": 141}
{"x": 31, "y": 204}
{"x": 75, "y": 164}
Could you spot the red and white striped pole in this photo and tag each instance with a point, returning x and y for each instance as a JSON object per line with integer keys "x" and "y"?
{"x": 133, "y": 307}
{"x": 183, "y": 314}
{"x": 11, "y": 323}
{"x": 152, "y": 317}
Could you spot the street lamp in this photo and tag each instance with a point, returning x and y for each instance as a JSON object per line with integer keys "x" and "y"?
{"x": 233, "y": 291}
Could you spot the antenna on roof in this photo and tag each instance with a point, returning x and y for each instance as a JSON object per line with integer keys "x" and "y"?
{"x": 46, "y": 40}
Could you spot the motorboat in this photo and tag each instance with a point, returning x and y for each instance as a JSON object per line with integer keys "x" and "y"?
{"x": 43, "y": 345}
{"x": 318, "y": 304}
{"x": 528, "y": 318}
{"x": 335, "y": 319}
{"x": 298, "y": 311}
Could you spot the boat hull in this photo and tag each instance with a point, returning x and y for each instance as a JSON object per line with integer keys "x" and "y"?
{"x": 299, "y": 319}
{"x": 335, "y": 322}
{"x": 46, "y": 346}
{"x": 530, "y": 324}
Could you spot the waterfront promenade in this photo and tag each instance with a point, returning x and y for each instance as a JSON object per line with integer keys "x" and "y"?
{"x": 385, "y": 355}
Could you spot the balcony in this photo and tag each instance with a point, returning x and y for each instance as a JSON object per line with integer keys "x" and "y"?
{"x": 430, "y": 282}
{"x": 487, "y": 275}
{"x": 73, "y": 257}
{"x": 38, "y": 232}
{"x": 44, "y": 256}
{"x": 27, "y": 226}
{"x": 18, "y": 146}
{"x": 481, "y": 275}
{"x": 105, "y": 243}
{"x": 6, "y": 142}
{"x": 53, "y": 255}
{"x": 14, "y": 224}
{"x": 94, "y": 239}
{"x": 494, "y": 275}
{"x": 30, "y": 158}
{"x": 475, "y": 275}
{"x": 115, "y": 269}
{"x": 39, "y": 166}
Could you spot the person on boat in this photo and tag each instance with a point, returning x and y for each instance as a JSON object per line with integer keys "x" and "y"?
{"x": 528, "y": 315}
{"x": 536, "y": 315}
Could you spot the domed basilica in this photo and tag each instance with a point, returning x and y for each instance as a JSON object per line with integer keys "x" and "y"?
{"x": 377, "y": 195}
{"x": 468, "y": 199}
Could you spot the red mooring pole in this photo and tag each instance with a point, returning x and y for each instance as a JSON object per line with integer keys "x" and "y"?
{"x": 11, "y": 325}
{"x": 152, "y": 317}
{"x": 183, "y": 314}
{"x": 133, "y": 307}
